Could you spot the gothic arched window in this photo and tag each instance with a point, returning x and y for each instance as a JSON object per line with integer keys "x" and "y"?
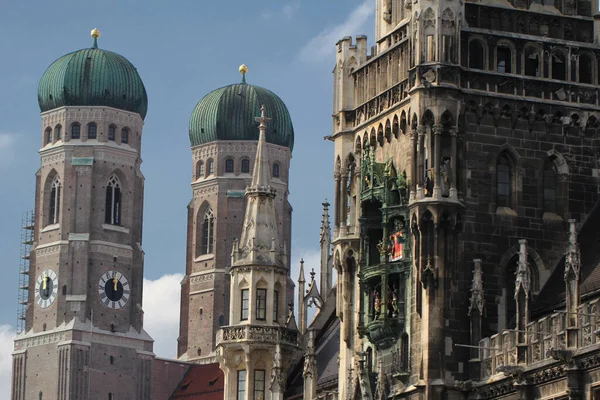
{"x": 275, "y": 170}
{"x": 229, "y": 165}
{"x": 476, "y": 54}
{"x": 113, "y": 201}
{"x": 92, "y": 130}
{"x": 210, "y": 167}
{"x": 124, "y": 135}
{"x": 112, "y": 132}
{"x": 245, "y": 166}
{"x": 208, "y": 231}
{"x": 58, "y": 132}
{"x": 559, "y": 66}
{"x": 199, "y": 169}
{"x": 75, "y": 130}
{"x": 504, "y": 59}
{"x": 48, "y": 136}
{"x": 54, "y": 209}
{"x": 503, "y": 182}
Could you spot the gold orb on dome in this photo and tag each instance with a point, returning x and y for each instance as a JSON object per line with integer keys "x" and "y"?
{"x": 95, "y": 33}
{"x": 243, "y": 69}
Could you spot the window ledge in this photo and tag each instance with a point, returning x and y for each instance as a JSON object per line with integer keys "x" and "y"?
{"x": 52, "y": 227}
{"x": 115, "y": 228}
{"x": 506, "y": 211}
{"x": 204, "y": 257}
{"x": 550, "y": 216}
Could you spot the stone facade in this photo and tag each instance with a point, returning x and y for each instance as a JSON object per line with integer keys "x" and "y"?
{"x": 468, "y": 128}
{"x": 205, "y": 289}
{"x": 89, "y": 343}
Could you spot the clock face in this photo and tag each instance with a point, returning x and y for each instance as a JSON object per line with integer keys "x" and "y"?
{"x": 46, "y": 288}
{"x": 114, "y": 289}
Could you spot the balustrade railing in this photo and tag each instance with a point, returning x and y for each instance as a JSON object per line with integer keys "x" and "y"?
{"x": 547, "y": 333}
{"x": 257, "y": 333}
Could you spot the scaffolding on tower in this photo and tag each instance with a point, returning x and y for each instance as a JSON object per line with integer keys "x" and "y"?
{"x": 27, "y": 229}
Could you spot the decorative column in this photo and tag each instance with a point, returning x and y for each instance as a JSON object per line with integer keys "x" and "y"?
{"x": 301, "y": 305}
{"x": 453, "y": 158}
{"x": 413, "y": 164}
{"x": 421, "y": 161}
{"x": 336, "y": 202}
{"x": 437, "y": 133}
{"x": 522, "y": 292}
{"x": 343, "y": 203}
{"x": 572, "y": 268}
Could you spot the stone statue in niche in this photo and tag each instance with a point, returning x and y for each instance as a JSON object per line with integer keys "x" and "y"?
{"x": 387, "y": 11}
{"x": 445, "y": 176}
{"x": 376, "y": 304}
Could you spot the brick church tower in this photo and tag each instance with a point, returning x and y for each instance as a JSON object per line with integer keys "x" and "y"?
{"x": 223, "y": 135}
{"x": 83, "y": 334}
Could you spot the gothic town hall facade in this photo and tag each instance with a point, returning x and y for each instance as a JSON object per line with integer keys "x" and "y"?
{"x": 463, "y": 231}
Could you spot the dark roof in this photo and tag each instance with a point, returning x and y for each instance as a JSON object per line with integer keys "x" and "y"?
{"x": 92, "y": 77}
{"x": 552, "y": 295}
{"x": 202, "y": 382}
{"x": 228, "y": 113}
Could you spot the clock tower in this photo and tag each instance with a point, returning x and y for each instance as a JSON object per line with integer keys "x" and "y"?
{"x": 83, "y": 334}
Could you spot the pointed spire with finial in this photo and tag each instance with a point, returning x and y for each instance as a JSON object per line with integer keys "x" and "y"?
{"x": 243, "y": 71}
{"x": 301, "y": 278}
{"x": 95, "y": 34}
{"x": 259, "y": 241}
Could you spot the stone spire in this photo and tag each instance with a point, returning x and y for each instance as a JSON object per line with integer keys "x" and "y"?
{"x": 301, "y": 307}
{"x": 326, "y": 265}
{"x": 523, "y": 280}
{"x": 259, "y": 239}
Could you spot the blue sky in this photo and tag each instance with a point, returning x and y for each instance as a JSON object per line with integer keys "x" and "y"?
{"x": 182, "y": 49}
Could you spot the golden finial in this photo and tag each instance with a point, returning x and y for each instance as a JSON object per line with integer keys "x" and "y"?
{"x": 95, "y": 34}
{"x": 243, "y": 71}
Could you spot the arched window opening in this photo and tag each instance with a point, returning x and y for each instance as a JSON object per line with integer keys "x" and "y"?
{"x": 245, "y": 166}
{"x": 275, "y": 170}
{"x": 261, "y": 304}
{"x": 503, "y": 182}
{"x": 476, "y": 54}
{"x": 559, "y": 66}
{"x": 210, "y": 167}
{"x": 208, "y": 229}
{"x": 370, "y": 359}
{"x": 124, "y": 135}
{"x": 40, "y": 395}
{"x": 550, "y": 183}
{"x": 113, "y": 201}
{"x": 229, "y": 165}
{"x": 532, "y": 62}
{"x": 245, "y": 304}
{"x": 585, "y": 68}
{"x": 110, "y": 396}
{"x": 92, "y": 130}
{"x": 112, "y": 132}
{"x": 275, "y": 305}
{"x": 48, "y": 136}
{"x": 504, "y": 59}
{"x": 199, "y": 169}
{"x": 75, "y": 131}
{"x": 54, "y": 210}
{"x": 58, "y": 132}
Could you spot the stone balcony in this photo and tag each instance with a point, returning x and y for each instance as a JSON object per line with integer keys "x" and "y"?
{"x": 540, "y": 342}
{"x": 257, "y": 334}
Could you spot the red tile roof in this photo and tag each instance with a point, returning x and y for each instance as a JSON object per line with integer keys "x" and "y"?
{"x": 202, "y": 382}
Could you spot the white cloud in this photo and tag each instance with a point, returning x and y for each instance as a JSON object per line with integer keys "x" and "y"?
{"x": 161, "y": 313}
{"x": 7, "y": 335}
{"x": 321, "y": 47}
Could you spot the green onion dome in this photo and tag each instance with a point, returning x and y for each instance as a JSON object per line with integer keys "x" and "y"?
{"x": 228, "y": 114}
{"x": 93, "y": 77}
